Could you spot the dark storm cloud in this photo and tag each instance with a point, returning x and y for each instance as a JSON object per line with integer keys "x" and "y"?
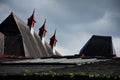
{"x": 89, "y": 11}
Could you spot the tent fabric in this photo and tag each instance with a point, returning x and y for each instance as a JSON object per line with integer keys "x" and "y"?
{"x": 1, "y": 43}
{"x": 98, "y": 46}
{"x": 12, "y": 37}
{"x": 26, "y": 44}
{"x": 13, "y": 44}
{"x": 46, "y": 48}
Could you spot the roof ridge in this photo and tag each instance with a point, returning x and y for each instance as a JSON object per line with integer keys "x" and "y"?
{"x": 16, "y": 17}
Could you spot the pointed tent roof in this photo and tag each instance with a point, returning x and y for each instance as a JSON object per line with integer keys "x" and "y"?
{"x": 32, "y": 17}
{"x": 53, "y": 39}
{"x": 33, "y": 46}
{"x": 98, "y": 46}
{"x": 9, "y": 25}
{"x": 31, "y": 20}
{"x": 43, "y": 30}
{"x": 54, "y": 36}
{"x": 29, "y": 44}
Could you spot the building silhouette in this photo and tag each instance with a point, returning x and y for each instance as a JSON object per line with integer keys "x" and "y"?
{"x": 98, "y": 46}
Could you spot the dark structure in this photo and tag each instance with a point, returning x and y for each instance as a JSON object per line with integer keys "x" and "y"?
{"x": 42, "y": 30}
{"x": 12, "y": 37}
{"x": 16, "y": 39}
{"x": 53, "y": 40}
{"x": 31, "y": 20}
{"x": 98, "y": 46}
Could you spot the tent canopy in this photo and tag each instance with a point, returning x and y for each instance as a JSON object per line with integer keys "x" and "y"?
{"x": 19, "y": 41}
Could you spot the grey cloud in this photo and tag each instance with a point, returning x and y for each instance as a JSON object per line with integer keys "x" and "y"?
{"x": 75, "y": 20}
{"x": 88, "y": 10}
{"x": 108, "y": 25}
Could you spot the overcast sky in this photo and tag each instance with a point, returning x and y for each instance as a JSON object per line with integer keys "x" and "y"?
{"x": 75, "y": 20}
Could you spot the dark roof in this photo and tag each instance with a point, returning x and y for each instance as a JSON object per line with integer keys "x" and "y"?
{"x": 8, "y": 26}
{"x": 31, "y": 44}
{"x": 98, "y": 46}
